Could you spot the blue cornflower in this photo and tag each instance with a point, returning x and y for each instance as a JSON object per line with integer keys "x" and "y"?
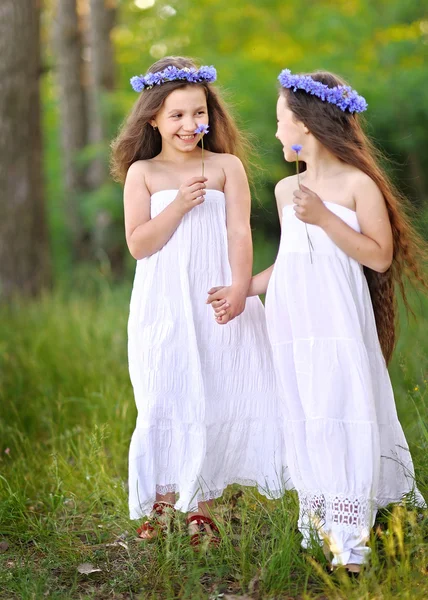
{"x": 137, "y": 83}
{"x": 171, "y": 73}
{"x": 342, "y": 96}
{"x": 202, "y": 129}
{"x": 296, "y": 148}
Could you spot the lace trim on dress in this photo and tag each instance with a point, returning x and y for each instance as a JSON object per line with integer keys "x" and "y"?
{"x": 319, "y": 511}
{"x": 205, "y": 496}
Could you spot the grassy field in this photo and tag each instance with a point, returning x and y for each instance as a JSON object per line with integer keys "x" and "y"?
{"x": 66, "y": 416}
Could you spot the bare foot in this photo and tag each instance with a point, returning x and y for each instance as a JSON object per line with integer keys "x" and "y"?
{"x": 353, "y": 568}
{"x": 159, "y": 520}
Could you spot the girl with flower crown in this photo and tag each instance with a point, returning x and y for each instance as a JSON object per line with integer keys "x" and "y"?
{"x": 209, "y": 413}
{"x": 330, "y": 306}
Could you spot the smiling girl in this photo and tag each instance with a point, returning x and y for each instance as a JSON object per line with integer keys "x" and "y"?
{"x": 208, "y": 408}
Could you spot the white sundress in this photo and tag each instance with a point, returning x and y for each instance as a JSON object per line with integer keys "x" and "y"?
{"x": 346, "y": 450}
{"x": 209, "y": 412}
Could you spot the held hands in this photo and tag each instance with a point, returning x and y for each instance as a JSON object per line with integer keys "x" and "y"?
{"x": 228, "y": 302}
{"x": 190, "y": 194}
{"x": 309, "y": 207}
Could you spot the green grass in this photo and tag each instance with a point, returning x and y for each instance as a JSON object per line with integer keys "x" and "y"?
{"x": 66, "y": 416}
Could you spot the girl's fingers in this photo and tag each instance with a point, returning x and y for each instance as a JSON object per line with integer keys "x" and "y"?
{"x": 197, "y": 186}
{"x": 216, "y": 296}
{"x": 213, "y": 290}
{"x": 222, "y": 320}
{"x": 221, "y": 310}
{"x": 218, "y": 303}
{"x": 196, "y": 181}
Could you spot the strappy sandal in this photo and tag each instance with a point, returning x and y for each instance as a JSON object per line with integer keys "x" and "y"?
{"x": 159, "y": 521}
{"x": 200, "y": 528}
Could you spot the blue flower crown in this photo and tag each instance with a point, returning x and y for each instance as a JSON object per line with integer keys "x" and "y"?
{"x": 343, "y": 96}
{"x": 171, "y": 73}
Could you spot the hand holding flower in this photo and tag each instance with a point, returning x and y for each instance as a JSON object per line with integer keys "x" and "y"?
{"x": 309, "y": 207}
{"x": 190, "y": 194}
{"x": 297, "y": 148}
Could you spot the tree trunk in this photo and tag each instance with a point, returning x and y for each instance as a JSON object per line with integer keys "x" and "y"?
{"x": 70, "y": 78}
{"x": 103, "y": 15}
{"x": 101, "y": 75}
{"x": 24, "y": 249}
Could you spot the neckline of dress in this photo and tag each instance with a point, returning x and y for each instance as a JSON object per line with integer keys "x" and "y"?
{"x": 176, "y": 190}
{"x": 331, "y": 203}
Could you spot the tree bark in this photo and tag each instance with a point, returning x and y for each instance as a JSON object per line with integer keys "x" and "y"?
{"x": 101, "y": 76}
{"x": 24, "y": 249}
{"x": 73, "y": 112}
{"x": 103, "y": 15}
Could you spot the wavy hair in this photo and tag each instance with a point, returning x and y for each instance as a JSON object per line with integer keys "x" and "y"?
{"x": 343, "y": 135}
{"x": 137, "y": 140}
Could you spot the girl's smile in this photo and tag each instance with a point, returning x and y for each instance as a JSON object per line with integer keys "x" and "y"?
{"x": 182, "y": 112}
{"x": 188, "y": 138}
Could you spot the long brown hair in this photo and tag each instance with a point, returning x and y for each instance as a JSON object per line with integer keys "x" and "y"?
{"x": 342, "y": 134}
{"x": 137, "y": 139}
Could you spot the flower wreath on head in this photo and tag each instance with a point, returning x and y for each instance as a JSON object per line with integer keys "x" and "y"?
{"x": 204, "y": 74}
{"x": 343, "y": 96}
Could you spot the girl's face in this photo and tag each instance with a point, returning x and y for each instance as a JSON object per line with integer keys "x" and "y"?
{"x": 289, "y": 131}
{"x": 183, "y": 110}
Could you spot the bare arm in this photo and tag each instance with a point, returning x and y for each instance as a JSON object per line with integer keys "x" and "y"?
{"x": 144, "y": 235}
{"x": 238, "y": 207}
{"x": 373, "y": 247}
{"x": 260, "y": 282}
{"x": 240, "y": 247}
{"x": 218, "y": 296}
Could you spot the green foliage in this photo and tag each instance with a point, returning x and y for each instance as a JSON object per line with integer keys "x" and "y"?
{"x": 379, "y": 47}
{"x": 66, "y": 416}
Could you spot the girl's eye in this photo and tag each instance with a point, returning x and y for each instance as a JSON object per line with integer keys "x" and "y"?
{"x": 176, "y": 116}
{"x": 201, "y": 112}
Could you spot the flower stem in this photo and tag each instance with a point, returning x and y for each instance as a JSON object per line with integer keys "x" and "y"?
{"x": 202, "y": 144}
{"x": 311, "y": 247}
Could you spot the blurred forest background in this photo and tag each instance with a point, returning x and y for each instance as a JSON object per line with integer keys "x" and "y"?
{"x": 66, "y": 404}
{"x": 64, "y": 90}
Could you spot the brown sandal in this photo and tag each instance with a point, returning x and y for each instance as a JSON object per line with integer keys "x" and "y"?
{"x": 201, "y": 527}
{"x": 159, "y": 521}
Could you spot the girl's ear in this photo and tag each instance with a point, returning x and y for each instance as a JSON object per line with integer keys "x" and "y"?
{"x": 153, "y": 123}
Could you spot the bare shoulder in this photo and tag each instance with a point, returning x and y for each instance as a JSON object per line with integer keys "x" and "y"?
{"x": 365, "y": 191}
{"x": 284, "y": 189}
{"x": 138, "y": 171}
{"x": 136, "y": 189}
{"x": 229, "y": 162}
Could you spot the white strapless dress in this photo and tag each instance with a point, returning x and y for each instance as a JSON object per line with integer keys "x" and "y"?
{"x": 209, "y": 413}
{"x": 346, "y": 450}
